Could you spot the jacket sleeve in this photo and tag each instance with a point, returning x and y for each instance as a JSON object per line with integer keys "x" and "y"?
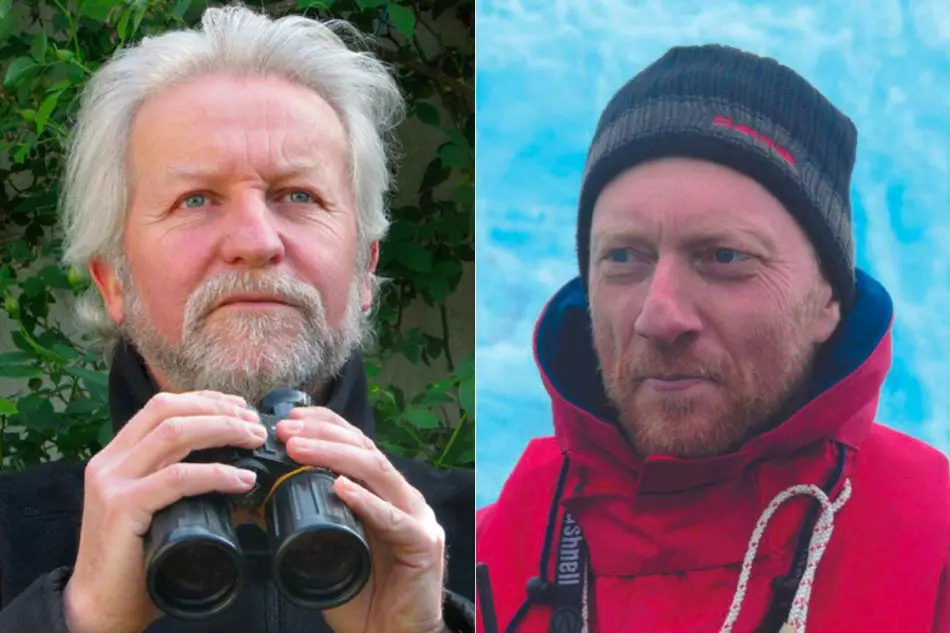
{"x": 39, "y": 609}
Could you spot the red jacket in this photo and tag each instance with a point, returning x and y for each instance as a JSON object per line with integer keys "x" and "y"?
{"x": 667, "y": 537}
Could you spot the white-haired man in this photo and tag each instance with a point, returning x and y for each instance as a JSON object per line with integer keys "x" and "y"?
{"x": 225, "y": 188}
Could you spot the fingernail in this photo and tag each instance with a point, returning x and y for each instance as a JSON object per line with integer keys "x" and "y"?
{"x": 247, "y": 477}
{"x": 292, "y": 426}
{"x": 257, "y": 430}
{"x": 249, "y": 414}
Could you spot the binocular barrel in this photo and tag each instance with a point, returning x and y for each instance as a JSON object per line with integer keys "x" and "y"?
{"x": 194, "y": 565}
{"x": 319, "y": 555}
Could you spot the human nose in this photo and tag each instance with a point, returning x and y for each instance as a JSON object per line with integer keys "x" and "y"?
{"x": 667, "y": 313}
{"x": 254, "y": 239}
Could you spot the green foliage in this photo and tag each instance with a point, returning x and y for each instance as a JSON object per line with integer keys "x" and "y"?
{"x": 49, "y": 49}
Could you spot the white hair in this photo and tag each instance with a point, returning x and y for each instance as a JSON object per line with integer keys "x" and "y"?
{"x": 233, "y": 41}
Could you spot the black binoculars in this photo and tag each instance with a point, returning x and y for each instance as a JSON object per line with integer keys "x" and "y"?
{"x": 319, "y": 557}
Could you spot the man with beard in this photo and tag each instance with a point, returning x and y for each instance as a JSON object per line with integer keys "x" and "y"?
{"x": 715, "y": 371}
{"x": 226, "y": 190}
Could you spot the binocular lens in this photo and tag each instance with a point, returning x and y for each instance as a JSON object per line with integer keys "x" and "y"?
{"x": 196, "y": 575}
{"x": 317, "y": 563}
{"x": 320, "y": 555}
{"x": 194, "y": 563}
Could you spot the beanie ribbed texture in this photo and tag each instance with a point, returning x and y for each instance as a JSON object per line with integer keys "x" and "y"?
{"x": 748, "y": 113}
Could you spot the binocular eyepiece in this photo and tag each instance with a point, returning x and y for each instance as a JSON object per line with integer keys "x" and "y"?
{"x": 319, "y": 555}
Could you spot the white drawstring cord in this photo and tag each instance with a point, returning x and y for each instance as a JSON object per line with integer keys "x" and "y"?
{"x": 798, "y": 615}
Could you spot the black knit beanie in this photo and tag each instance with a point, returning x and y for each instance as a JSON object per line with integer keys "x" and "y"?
{"x": 748, "y": 113}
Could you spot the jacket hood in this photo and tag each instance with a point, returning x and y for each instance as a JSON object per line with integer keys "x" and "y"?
{"x": 131, "y": 386}
{"x": 840, "y": 403}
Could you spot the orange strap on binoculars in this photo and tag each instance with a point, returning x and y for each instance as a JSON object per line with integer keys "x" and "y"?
{"x": 284, "y": 478}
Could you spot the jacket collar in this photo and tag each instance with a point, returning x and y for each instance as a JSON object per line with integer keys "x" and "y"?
{"x": 840, "y": 405}
{"x": 131, "y": 386}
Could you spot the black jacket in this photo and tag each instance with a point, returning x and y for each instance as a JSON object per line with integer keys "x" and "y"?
{"x": 41, "y": 511}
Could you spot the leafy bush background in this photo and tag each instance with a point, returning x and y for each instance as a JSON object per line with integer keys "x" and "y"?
{"x": 48, "y": 49}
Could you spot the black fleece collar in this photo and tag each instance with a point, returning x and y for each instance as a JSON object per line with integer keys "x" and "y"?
{"x": 131, "y": 386}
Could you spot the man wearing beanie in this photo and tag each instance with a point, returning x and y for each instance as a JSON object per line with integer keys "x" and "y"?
{"x": 714, "y": 374}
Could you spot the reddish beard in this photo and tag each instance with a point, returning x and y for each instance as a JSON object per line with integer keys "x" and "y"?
{"x": 739, "y": 398}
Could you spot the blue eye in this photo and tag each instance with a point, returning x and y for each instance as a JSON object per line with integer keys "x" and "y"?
{"x": 726, "y": 255}
{"x": 301, "y": 197}
{"x": 619, "y": 256}
{"x": 195, "y": 200}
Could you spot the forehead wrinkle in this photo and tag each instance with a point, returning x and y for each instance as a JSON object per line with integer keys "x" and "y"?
{"x": 688, "y": 232}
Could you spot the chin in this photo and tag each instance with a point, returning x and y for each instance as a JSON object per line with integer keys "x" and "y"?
{"x": 684, "y": 429}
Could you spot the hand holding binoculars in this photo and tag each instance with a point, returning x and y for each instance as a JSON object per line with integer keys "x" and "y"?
{"x": 319, "y": 554}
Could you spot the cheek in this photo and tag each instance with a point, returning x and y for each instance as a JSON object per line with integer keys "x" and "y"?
{"x": 165, "y": 283}
{"x": 331, "y": 268}
{"x": 613, "y": 324}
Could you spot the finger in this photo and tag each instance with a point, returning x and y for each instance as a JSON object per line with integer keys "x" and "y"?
{"x": 166, "y": 405}
{"x": 320, "y": 429}
{"x": 420, "y": 539}
{"x": 369, "y": 466}
{"x": 165, "y": 487}
{"x": 175, "y": 437}
{"x": 324, "y": 414}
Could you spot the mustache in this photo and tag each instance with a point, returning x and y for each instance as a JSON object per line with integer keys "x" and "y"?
{"x": 649, "y": 364}
{"x": 281, "y": 287}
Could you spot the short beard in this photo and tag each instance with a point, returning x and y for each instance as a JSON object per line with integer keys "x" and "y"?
{"x": 249, "y": 354}
{"x": 755, "y": 391}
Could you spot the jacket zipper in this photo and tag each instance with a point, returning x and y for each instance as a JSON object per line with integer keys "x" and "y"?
{"x": 272, "y": 608}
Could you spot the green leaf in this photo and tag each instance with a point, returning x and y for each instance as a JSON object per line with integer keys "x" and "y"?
{"x": 7, "y": 407}
{"x": 372, "y": 369}
{"x": 467, "y": 396}
{"x": 415, "y": 257}
{"x": 90, "y": 378}
{"x": 320, "y": 5}
{"x": 448, "y": 267}
{"x": 453, "y": 155}
{"x": 105, "y": 433}
{"x": 400, "y": 231}
{"x": 64, "y": 54}
{"x": 370, "y": 4}
{"x": 139, "y": 16}
{"x": 181, "y": 9}
{"x": 46, "y": 109}
{"x": 436, "y": 173}
{"x": 464, "y": 194}
{"x": 434, "y": 398}
{"x": 82, "y": 407}
{"x": 422, "y": 418}
{"x": 427, "y": 114}
{"x": 97, "y": 9}
{"x": 5, "y": 6}
{"x": 66, "y": 351}
{"x": 17, "y": 69}
{"x": 403, "y": 18}
{"x": 36, "y": 412}
{"x": 123, "y": 27}
{"x": 455, "y": 136}
{"x": 20, "y": 371}
{"x": 8, "y": 24}
{"x": 39, "y": 46}
{"x": 16, "y": 357}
